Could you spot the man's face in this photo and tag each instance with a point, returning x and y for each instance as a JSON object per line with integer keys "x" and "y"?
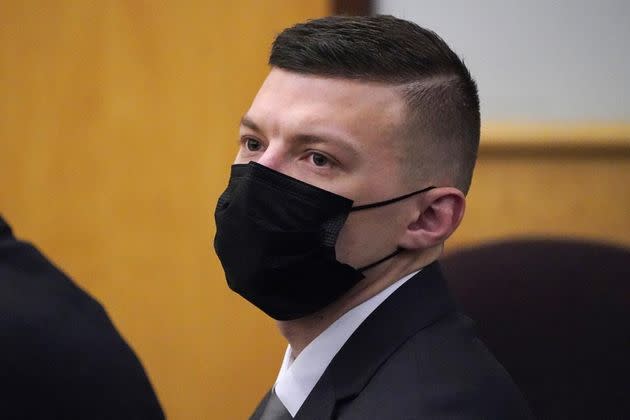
{"x": 340, "y": 135}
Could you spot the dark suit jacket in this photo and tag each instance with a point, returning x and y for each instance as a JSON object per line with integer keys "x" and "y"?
{"x": 414, "y": 357}
{"x": 60, "y": 355}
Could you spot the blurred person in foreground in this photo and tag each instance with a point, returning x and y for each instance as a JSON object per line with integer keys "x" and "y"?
{"x": 60, "y": 355}
{"x": 355, "y": 158}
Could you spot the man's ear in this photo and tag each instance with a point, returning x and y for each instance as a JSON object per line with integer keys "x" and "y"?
{"x": 440, "y": 212}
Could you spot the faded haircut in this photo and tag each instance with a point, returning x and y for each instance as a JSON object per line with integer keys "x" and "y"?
{"x": 442, "y": 122}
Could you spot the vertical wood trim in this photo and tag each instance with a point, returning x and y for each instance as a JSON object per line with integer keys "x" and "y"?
{"x": 352, "y": 7}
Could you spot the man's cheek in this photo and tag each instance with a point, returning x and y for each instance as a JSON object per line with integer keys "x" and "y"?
{"x": 352, "y": 242}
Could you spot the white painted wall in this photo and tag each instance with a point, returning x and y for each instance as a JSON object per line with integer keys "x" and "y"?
{"x": 554, "y": 60}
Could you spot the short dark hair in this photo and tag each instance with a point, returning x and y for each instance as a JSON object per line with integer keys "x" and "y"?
{"x": 441, "y": 96}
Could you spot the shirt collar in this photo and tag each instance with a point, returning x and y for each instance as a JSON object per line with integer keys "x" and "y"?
{"x": 298, "y": 377}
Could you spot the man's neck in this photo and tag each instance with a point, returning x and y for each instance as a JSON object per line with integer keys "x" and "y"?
{"x": 300, "y": 332}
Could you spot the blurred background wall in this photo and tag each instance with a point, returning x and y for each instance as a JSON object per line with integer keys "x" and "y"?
{"x": 555, "y": 101}
{"x": 118, "y": 124}
{"x": 536, "y": 60}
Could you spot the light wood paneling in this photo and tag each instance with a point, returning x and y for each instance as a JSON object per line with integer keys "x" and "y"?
{"x": 567, "y": 136}
{"x": 118, "y": 123}
{"x": 117, "y": 128}
{"x": 570, "y": 180}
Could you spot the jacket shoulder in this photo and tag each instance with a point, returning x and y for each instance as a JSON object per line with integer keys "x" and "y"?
{"x": 442, "y": 372}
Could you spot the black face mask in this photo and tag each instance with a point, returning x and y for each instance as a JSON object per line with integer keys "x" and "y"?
{"x": 276, "y": 241}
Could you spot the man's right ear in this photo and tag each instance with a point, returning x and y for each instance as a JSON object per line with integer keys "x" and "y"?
{"x": 440, "y": 213}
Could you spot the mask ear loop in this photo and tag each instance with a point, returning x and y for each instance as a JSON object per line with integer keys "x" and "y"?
{"x": 390, "y": 201}
{"x": 384, "y": 203}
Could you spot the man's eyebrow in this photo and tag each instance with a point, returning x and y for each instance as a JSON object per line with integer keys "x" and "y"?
{"x": 308, "y": 138}
{"x": 247, "y": 122}
{"x": 325, "y": 139}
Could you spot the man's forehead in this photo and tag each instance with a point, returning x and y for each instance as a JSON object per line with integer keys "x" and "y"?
{"x": 315, "y": 97}
{"x": 339, "y": 86}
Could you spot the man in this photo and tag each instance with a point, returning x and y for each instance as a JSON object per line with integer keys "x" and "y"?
{"x": 60, "y": 355}
{"x": 355, "y": 158}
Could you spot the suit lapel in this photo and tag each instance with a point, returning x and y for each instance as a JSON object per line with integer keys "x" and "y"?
{"x": 320, "y": 403}
{"x": 418, "y": 303}
{"x": 261, "y": 407}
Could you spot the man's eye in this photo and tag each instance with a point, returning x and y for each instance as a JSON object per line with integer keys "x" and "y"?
{"x": 252, "y": 145}
{"x": 319, "y": 159}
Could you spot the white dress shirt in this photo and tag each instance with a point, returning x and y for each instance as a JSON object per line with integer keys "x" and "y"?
{"x": 298, "y": 377}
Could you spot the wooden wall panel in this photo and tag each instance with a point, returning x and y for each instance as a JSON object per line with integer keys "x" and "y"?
{"x": 118, "y": 123}
{"x": 570, "y": 180}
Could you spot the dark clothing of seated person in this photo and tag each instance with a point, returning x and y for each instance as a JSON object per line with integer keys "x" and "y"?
{"x": 60, "y": 355}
